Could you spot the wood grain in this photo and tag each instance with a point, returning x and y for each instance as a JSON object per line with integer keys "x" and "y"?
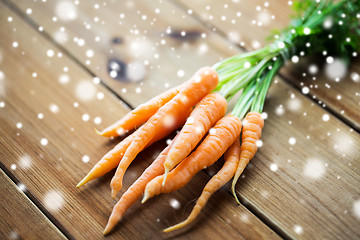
{"x": 168, "y": 46}
{"x": 297, "y": 178}
{"x": 39, "y": 104}
{"x": 295, "y": 188}
{"x": 249, "y": 24}
{"x": 20, "y": 218}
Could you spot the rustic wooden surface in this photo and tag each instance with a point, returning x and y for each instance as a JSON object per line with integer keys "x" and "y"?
{"x": 20, "y": 218}
{"x": 340, "y": 96}
{"x": 305, "y": 190}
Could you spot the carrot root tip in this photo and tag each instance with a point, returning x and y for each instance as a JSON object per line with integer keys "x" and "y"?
{"x": 82, "y": 182}
{"x": 165, "y": 175}
{"x": 234, "y": 193}
{"x": 177, "y": 226}
{"x": 145, "y": 198}
{"x": 107, "y": 230}
{"x": 98, "y": 132}
{"x": 114, "y": 193}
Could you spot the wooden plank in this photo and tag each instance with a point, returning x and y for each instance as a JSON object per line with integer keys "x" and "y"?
{"x": 20, "y": 218}
{"x": 280, "y": 184}
{"x": 48, "y": 142}
{"x": 249, "y": 23}
{"x": 133, "y": 33}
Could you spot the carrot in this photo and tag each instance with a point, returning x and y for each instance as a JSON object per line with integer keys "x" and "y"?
{"x": 107, "y": 162}
{"x": 231, "y": 156}
{"x": 219, "y": 139}
{"x": 206, "y": 113}
{"x": 139, "y": 115}
{"x": 112, "y": 159}
{"x": 135, "y": 191}
{"x": 251, "y": 133}
{"x": 203, "y": 82}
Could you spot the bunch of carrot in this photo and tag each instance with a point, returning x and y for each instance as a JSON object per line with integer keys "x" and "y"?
{"x": 199, "y": 108}
{"x": 203, "y": 115}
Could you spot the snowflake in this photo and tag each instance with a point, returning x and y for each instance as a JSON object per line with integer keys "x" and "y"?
{"x": 175, "y": 203}
{"x": 66, "y": 11}
{"x": 314, "y": 168}
{"x": 53, "y": 200}
{"x": 85, "y": 90}
{"x": 44, "y": 141}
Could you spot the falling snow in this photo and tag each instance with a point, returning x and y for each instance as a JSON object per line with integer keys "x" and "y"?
{"x": 329, "y": 60}
{"x": 335, "y": 69}
{"x": 264, "y": 18}
{"x": 53, "y": 200}
{"x": 294, "y": 104}
{"x": 356, "y": 209}
{"x": 175, "y": 203}
{"x": 212, "y": 131}
{"x": 50, "y": 53}
{"x": 305, "y": 90}
{"x": 85, "y": 158}
{"x": 326, "y": 117}
{"x": 169, "y": 121}
{"x": 295, "y": 59}
{"x": 273, "y": 167}
{"x": 136, "y": 71}
{"x": 355, "y": 77}
{"x": 313, "y": 69}
{"x": 280, "y": 110}
{"x": 343, "y": 143}
{"x": 25, "y": 162}
{"x": 100, "y": 95}
{"x": 40, "y": 116}
{"x": 85, "y": 117}
{"x": 54, "y": 108}
{"x": 85, "y": 91}
{"x": 64, "y": 78}
{"x": 61, "y": 36}
{"x": 264, "y": 115}
{"x": 89, "y": 53}
{"x": 21, "y": 187}
{"x": 298, "y": 229}
{"x": 97, "y": 120}
{"x": 44, "y": 141}
{"x": 66, "y": 10}
{"x": 292, "y": 141}
{"x": 314, "y": 168}
{"x": 180, "y": 73}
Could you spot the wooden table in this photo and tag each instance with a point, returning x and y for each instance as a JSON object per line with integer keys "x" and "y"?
{"x": 67, "y": 67}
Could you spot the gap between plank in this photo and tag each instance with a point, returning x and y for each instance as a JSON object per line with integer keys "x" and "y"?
{"x": 309, "y": 96}
{"x": 37, "y": 203}
{"x": 35, "y": 26}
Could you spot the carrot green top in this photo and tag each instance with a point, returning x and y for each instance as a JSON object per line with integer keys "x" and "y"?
{"x": 307, "y": 33}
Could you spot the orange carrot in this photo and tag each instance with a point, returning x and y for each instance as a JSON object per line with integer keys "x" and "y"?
{"x": 252, "y": 126}
{"x": 219, "y": 139}
{"x": 206, "y": 113}
{"x": 231, "y": 156}
{"x": 135, "y": 191}
{"x": 108, "y": 162}
{"x": 112, "y": 159}
{"x": 203, "y": 82}
{"x": 139, "y": 115}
